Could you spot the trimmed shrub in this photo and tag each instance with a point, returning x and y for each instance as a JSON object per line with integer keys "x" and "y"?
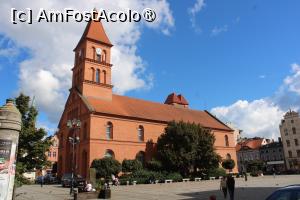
{"x": 131, "y": 165}
{"x": 175, "y": 176}
{"x": 154, "y": 165}
{"x": 105, "y": 167}
{"x": 228, "y": 164}
{"x": 217, "y": 172}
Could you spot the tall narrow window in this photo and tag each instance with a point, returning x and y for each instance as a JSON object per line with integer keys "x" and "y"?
{"x": 85, "y": 131}
{"x": 93, "y": 74}
{"x": 98, "y": 76}
{"x": 104, "y": 76}
{"x": 296, "y": 142}
{"x": 298, "y": 153}
{"x": 140, "y": 156}
{"x": 288, "y": 144}
{"x": 109, "y": 131}
{"x": 94, "y": 53}
{"x": 226, "y": 141}
{"x": 290, "y": 154}
{"x": 104, "y": 56}
{"x": 141, "y": 133}
{"x": 294, "y": 130}
{"x": 98, "y": 54}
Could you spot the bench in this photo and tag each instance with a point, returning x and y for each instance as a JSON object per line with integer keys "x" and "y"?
{"x": 134, "y": 182}
{"x": 212, "y": 178}
{"x": 169, "y": 181}
{"x": 198, "y": 179}
{"x": 185, "y": 180}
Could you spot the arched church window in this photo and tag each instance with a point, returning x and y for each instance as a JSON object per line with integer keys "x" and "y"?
{"x": 94, "y": 53}
{"x": 104, "y": 76}
{"x": 98, "y": 54}
{"x": 141, "y": 133}
{"x": 93, "y": 74}
{"x": 104, "y": 56}
{"x": 140, "y": 156}
{"x": 98, "y": 76}
{"x": 228, "y": 156}
{"x": 109, "y": 154}
{"x": 109, "y": 131}
{"x": 226, "y": 141}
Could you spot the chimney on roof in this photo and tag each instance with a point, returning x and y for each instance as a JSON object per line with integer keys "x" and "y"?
{"x": 279, "y": 139}
{"x": 177, "y": 100}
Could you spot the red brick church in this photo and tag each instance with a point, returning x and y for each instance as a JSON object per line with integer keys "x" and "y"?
{"x": 114, "y": 125}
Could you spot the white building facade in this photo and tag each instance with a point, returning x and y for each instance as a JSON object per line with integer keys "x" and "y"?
{"x": 290, "y": 134}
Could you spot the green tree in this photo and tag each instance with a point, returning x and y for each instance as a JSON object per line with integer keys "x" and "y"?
{"x": 185, "y": 146}
{"x": 33, "y": 141}
{"x": 228, "y": 164}
{"x": 105, "y": 167}
{"x": 131, "y": 165}
{"x": 154, "y": 165}
{"x": 254, "y": 165}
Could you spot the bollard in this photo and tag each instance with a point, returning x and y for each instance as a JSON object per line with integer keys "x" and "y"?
{"x": 10, "y": 127}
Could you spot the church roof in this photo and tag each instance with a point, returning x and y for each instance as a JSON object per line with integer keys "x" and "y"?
{"x": 146, "y": 110}
{"x": 94, "y": 30}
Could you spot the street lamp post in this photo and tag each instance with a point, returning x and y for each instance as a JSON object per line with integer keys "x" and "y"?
{"x": 73, "y": 125}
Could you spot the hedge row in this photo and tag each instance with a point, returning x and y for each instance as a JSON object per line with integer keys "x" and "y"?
{"x": 146, "y": 177}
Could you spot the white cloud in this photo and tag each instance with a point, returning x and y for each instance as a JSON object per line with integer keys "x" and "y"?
{"x": 256, "y": 118}
{"x": 293, "y": 81}
{"x": 218, "y": 30}
{"x": 262, "y": 76}
{"x": 197, "y": 7}
{"x": 46, "y": 74}
{"x": 262, "y": 117}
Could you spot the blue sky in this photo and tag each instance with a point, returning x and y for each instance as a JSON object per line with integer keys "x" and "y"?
{"x": 234, "y": 58}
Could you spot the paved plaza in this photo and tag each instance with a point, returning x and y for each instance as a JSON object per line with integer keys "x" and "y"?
{"x": 257, "y": 188}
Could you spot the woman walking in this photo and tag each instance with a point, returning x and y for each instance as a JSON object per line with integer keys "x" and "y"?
{"x": 223, "y": 187}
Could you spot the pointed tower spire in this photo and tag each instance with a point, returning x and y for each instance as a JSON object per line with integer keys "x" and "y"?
{"x": 95, "y": 31}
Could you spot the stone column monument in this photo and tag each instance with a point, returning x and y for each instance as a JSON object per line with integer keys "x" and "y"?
{"x": 10, "y": 127}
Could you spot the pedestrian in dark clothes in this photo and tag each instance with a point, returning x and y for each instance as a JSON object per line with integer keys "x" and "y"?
{"x": 223, "y": 186}
{"x": 230, "y": 186}
{"x": 42, "y": 181}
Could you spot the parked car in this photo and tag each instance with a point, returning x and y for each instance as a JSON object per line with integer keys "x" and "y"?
{"x": 50, "y": 179}
{"x": 291, "y": 192}
{"x": 38, "y": 180}
{"x": 66, "y": 181}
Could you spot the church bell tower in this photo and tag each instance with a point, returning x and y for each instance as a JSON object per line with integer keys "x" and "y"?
{"x": 92, "y": 65}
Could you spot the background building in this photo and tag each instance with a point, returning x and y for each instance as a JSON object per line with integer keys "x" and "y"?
{"x": 249, "y": 150}
{"x": 273, "y": 156}
{"x": 52, "y": 154}
{"x": 290, "y": 134}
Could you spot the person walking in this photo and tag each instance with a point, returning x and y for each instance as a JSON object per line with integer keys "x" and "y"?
{"x": 230, "y": 186}
{"x": 245, "y": 175}
{"x": 42, "y": 181}
{"x": 274, "y": 172}
{"x": 223, "y": 186}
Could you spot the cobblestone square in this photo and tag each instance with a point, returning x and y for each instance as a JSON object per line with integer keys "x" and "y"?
{"x": 257, "y": 188}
